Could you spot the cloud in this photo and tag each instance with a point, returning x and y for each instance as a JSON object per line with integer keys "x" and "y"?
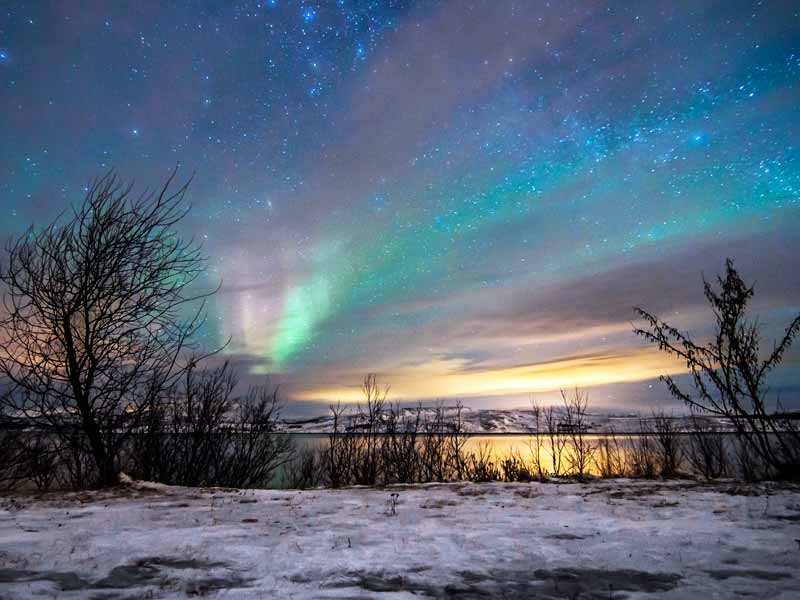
{"x": 448, "y": 380}
{"x": 575, "y": 332}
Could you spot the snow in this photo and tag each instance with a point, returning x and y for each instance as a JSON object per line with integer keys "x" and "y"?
{"x": 604, "y": 539}
{"x": 512, "y": 421}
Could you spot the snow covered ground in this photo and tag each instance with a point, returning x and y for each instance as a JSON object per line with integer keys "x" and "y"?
{"x": 607, "y": 539}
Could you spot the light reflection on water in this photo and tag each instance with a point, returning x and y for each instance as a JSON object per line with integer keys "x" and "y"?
{"x": 600, "y": 448}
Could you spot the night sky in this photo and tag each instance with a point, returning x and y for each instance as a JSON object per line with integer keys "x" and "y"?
{"x": 466, "y": 197}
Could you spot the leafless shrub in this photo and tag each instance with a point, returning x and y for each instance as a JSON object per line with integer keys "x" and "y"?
{"x": 706, "y": 449}
{"x": 729, "y": 374}
{"x": 668, "y": 444}
{"x": 401, "y": 456}
{"x": 181, "y": 443}
{"x": 610, "y": 457}
{"x": 252, "y": 449}
{"x": 480, "y": 464}
{"x": 42, "y": 456}
{"x": 514, "y": 467}
{"x": 388, "y": 444}
{"x": 304, "y": 469}
{"x": 79, "y": 469}
{"x": 32, "y": 454}
{"x": 14, "y": 464}
{"x": 200, "y": 433}
{"x": 644, "y": 453}
{"x": 748, "y": 466}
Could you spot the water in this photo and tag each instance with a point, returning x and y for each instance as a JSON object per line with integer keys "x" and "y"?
{"x": 595, "y": 454}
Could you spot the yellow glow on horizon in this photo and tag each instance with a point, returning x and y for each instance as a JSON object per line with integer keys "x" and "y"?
{"x": 447, "y": 379}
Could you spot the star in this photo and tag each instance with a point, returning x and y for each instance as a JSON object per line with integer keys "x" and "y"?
{"x": 430, "y": 179}
{"x": 309, "y": 14}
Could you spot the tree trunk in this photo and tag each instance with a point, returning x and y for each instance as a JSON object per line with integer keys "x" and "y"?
{"x": 106, "y": 472}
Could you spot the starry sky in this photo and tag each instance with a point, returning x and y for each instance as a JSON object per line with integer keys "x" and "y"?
{"x": 467, "y": 197}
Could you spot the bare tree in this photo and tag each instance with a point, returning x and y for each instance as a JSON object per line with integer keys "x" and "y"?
{"x": 436, "y": 453}
{"x": 535, "y": 440}
{"x": 338, "y": 456}
{"x": 457, "y": 440}
{"x": 729, "y": 375}
{"x": 369, "y": 423}
{"x": 556, "y": 439}
{"x": 99, "y": 308}
{"x": 575, "y": 424}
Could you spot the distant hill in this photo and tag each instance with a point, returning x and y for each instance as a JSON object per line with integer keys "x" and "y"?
{"x": 491, "y": 421}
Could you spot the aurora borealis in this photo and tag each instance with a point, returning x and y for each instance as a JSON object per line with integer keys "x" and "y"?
{"x": 466, "y": 197}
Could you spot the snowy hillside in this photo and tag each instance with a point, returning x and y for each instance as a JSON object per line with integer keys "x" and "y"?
{"x": 488, "y": 421}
